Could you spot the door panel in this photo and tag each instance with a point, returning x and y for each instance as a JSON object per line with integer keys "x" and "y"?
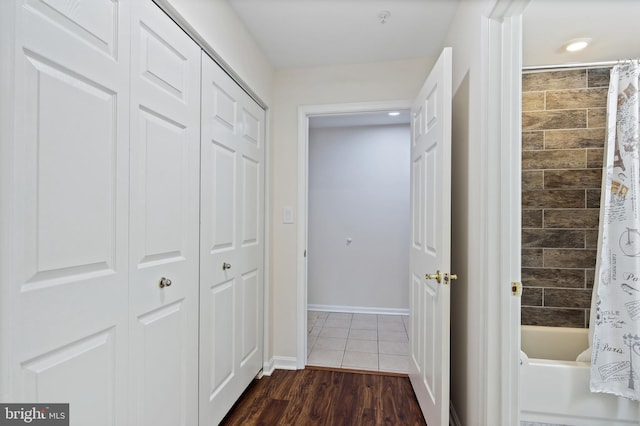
{"x": 231, "y": 264}
{"x": 161, "y": 143}
{"x": 87, "y": 130}
{"x": 251, "y": 199}
{"x": 417, "y": 225}
{"x": 430, "y": 216}
{"x": 162, "y": 366}
{"x": 69, "y": 207}
{"x": 221, "y": 345}
{"x": 222, "y": 196}
{"x": 250, "y": 308}
{"x": 90, "y": 364}
{"x": 96, "y": 23}
{"x": 430, "y": 248}
{"x": 164, "y": 215}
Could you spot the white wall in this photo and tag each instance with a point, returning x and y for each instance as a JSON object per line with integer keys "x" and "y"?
{"x": 218, "y": 24}
{"x": 359, "y": 189}
{"x": 315, "y": 86}
{"x": 465, "y": 314}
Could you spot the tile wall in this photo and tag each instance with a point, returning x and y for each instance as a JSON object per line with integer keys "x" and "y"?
{"x": 563, "y": 135}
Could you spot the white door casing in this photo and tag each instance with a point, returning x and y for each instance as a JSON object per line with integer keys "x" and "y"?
{"x": 231, "y": 242}
{"x": 164, "y": 220}
{"x": 69, "y": 208}
{"x": 431, "y": 242}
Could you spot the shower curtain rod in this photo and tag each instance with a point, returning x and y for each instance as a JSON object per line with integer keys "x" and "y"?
{"x": 576, "y": 65}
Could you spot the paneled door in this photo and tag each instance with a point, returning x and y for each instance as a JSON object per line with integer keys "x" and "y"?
{"x": 164, "y": 216}
{"x": 69, "y": 206}
{"x": 231, "y": 242}
{"x": 431, "y": 243}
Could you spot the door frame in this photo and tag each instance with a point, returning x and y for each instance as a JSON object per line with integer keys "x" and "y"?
{"x": 501, "y": 145}
{"x": 304, "y": 112}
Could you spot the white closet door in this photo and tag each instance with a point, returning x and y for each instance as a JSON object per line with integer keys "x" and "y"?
{"x": 231, "y": 242}
{"x": 69, "y": 208}
{"x": 164, "y": 216}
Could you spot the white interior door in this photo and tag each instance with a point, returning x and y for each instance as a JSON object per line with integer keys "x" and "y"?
{"x": 231, "y": 242}
{"x": 431, "y": 242}
{"x": 164, "y": 216}
{"x": 69, "y": 208}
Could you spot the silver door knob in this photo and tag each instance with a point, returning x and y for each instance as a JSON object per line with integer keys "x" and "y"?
{"x": 226, "y": 266}
{"x": 164, "y": 282}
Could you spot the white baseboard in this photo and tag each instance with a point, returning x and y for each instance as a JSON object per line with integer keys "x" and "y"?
{"x": 279, "y": 363}
{"x": 268, "y": 367}
{"x": 358, "y": 309}
{"x": 453, "y": 416}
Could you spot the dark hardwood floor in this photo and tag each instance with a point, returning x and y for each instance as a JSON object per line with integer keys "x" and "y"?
{"x": 327, "y": 397}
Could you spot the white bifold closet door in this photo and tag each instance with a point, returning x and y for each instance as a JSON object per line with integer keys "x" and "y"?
{"x": 132, "y": 286}
{"x": 231, "y": 242}
{"x": 69, "y": 208}
{"x": 164, "y": 216}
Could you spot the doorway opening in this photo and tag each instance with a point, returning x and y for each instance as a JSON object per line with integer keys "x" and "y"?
{"x": 350, "y": 317}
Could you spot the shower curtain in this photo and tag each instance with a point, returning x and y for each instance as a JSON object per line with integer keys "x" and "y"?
{"x": 615, "y": 324}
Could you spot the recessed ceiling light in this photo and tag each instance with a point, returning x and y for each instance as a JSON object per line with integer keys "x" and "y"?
{"x": 577, "y": 44}
{"x": 394, "y": 113}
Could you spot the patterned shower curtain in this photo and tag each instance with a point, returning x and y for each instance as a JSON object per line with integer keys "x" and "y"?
{"x": 615, "y": 356}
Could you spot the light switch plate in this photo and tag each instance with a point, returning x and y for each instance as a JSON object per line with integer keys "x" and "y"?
{"x": 287, "y": 215}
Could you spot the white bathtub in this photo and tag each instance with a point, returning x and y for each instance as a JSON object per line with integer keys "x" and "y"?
{"x": 554, "y": 389}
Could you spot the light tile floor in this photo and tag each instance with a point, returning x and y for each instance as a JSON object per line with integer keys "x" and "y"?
{"x": 358, "y": 341}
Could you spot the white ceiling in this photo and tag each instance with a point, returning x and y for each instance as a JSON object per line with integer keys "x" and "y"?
{"x": 305, "y": 33}
{"x": 613, "y": 26}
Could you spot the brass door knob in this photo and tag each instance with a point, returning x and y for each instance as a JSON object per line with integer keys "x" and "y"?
{"x": 437, "y": 276}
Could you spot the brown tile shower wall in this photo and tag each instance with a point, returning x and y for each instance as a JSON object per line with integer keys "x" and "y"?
{"x": 563, "y": 135}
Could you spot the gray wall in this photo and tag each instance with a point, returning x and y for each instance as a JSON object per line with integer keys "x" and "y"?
{"x": 359, "y": 190}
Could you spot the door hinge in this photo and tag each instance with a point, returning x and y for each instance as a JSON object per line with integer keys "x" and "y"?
{"x": 516, "y": 288}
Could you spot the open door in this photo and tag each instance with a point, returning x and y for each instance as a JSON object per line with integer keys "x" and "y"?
{"x": 431, "y": 242}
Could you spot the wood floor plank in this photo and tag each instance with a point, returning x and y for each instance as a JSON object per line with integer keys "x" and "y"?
{"x": 273, "y": 412}
{"x": 368, "y": 417}
{"x": 327, "y": 397}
